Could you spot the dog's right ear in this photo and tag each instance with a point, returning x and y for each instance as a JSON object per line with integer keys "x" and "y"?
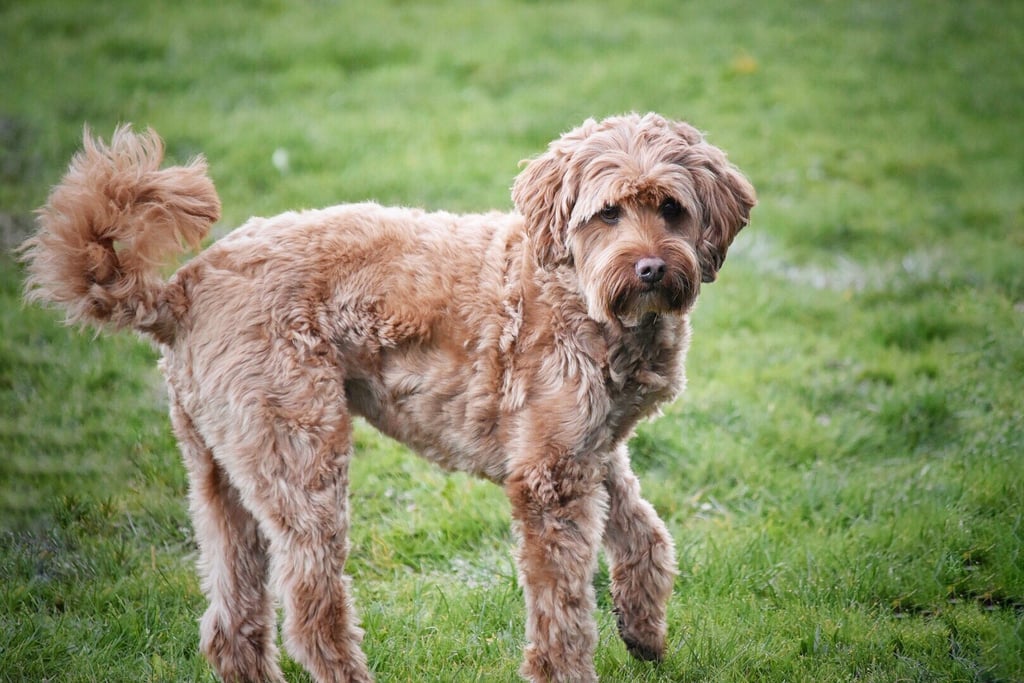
{"x": 545, "y": 193}
{"x": 542, "y": 196}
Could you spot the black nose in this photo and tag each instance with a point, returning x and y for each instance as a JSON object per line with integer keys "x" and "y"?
{"x": 650, "y": 270}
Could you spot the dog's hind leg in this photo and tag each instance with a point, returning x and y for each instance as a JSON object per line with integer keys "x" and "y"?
{"x": 237, "y": 632}
{"x": 642, "y": 562}
{"x": 290, "y": 458}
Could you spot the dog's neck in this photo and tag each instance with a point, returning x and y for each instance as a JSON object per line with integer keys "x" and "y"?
{"x": 641, "y": 364}
{"x": 649, "y": 320}
{"x": 643, "y": 327}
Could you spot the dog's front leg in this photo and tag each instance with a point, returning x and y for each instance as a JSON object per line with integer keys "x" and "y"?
{"x": 559, "y": 505}
{"x": 642, "y": 559}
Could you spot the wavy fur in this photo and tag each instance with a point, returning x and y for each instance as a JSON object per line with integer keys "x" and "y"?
{"x": 522, "y": 347}
{"x": 110, "y": 225}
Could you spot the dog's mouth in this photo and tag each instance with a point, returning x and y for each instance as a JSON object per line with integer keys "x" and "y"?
{"x": 634, "y": 300}
{"x": 631, "y": 284}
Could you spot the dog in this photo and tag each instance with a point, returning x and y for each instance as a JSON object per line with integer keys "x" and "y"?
{"x": 523, "y": 347}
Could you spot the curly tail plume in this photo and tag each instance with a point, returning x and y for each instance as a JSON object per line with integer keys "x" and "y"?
{"x": 109, "y": 226}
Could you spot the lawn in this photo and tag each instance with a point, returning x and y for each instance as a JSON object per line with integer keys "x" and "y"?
{"x": 844, "y": 477}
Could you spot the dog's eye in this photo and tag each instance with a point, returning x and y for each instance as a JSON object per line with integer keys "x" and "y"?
{"x": 610, "y": 214}
{"x": 670, "y": 210}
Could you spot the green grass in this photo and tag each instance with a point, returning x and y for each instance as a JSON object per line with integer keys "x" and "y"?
{"x": 844, "y": 477}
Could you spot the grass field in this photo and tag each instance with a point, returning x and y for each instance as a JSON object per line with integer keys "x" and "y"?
{"x": 844, "y": 477}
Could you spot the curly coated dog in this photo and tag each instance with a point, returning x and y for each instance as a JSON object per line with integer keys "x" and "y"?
{"x": 522, "y": 347}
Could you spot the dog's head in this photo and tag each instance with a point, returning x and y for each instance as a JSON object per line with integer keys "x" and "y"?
{"x": 642, "y": 207}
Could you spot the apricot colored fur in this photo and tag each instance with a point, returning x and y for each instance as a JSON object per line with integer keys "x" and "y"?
{"x": 522, "y": 347}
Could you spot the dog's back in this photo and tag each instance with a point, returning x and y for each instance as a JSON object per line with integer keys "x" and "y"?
{"x": 362, "y": 286}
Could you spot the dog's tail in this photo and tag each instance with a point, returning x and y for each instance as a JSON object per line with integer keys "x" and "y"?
{"x": 107, "y": 229}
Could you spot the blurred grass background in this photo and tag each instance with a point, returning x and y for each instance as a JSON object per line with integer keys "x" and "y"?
{"x": 844, "y": 475}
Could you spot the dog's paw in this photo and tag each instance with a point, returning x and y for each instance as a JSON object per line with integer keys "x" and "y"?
{"x": 648, "y": 650}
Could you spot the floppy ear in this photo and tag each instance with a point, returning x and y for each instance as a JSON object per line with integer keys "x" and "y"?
{"x": 541, "y": 195}
{"x": 726, "y": 198}
{"x": 545, "y": 194}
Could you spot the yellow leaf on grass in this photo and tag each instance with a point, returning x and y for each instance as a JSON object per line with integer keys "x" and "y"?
{"x": 743, "y": 64}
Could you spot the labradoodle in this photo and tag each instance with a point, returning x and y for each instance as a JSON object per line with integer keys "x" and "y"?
{"x": 522, "y": 347}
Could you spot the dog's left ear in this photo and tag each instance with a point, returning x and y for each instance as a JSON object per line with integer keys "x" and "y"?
{"x": 545, "y": 194}
{"x": 726, "y": 198}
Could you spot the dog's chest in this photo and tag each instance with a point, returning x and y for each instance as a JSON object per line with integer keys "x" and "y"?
{"x": 644, "y": 370}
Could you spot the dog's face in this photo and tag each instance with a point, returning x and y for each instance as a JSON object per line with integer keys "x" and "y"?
{"x": 642, "y": 207}
{"x": 635, "y": 258}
